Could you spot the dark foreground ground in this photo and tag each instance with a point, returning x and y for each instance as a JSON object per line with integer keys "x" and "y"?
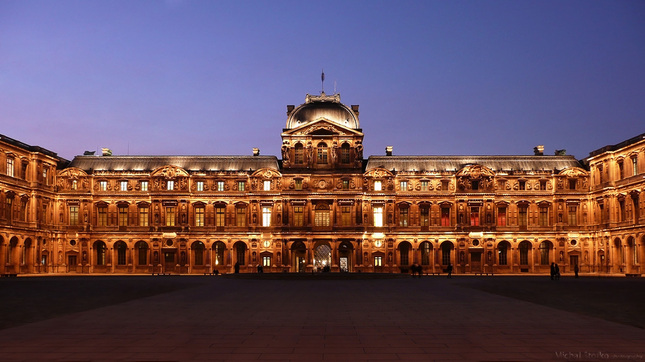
{"x": 173, "y": 318}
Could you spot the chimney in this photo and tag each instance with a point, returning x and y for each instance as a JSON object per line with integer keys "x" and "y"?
{"x": 290, "y": 108}
{"x": 388, "y": 151}
{"x": 539, "y": 150}
{"x": 106, "y": 151}
{"x": 355, "y": 109}
{"x": 256, "y": 151}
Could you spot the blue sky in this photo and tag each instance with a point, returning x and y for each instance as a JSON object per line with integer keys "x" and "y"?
{"x": 214, "y": 77}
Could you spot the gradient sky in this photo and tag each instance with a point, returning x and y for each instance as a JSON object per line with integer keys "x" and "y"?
{"x": 214, "y": 77}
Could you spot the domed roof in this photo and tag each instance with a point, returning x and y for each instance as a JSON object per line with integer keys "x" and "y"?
{"x": 322, "y": 107}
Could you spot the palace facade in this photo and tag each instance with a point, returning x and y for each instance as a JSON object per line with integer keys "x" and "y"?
{"x": 322, "y": 206}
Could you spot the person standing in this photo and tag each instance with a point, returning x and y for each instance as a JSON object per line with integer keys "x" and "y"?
{"x": 552, "y": 271}
{"x": 557, "y": 272}
{"x": 449, "y": 269}
{"x": 576, "y": 269}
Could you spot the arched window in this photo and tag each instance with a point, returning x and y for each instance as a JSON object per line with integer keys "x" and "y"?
{"x": 299, "y": 154}
{"x": 426, "y": 249}
{"x": 218, "y": 251}
{"x": 120, "y": 252}
{"x": 404, "y": 253}
{"x": 525, "y": 246}
{"x": 99, "y": 247}
{"x": 198, "y": 250}
{"x": 446, "y": 248}
{"x": 502, "y": 253}
{"x": 322, "y": 215}
{"x": 142, "y": 251}
{"x": 344, "y": 153}
{"x": 545, "y": 248}
{"x": 322, "y": 153}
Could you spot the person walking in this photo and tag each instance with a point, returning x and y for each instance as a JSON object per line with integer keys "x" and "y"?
{"x": 557, "y": 272}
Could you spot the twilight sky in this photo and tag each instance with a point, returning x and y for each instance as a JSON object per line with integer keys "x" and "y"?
{"x": 214, "y": 77}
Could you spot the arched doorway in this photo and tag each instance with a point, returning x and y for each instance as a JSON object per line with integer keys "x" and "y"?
{"x": 503, "y": 255}
{"x": 120, "y": 255}
{"x": 404, "y": 256}
{"x": 219, "y": 261}
{"x": 446, "y": 254}
{"x": 546, "y": 250}
{"x": 345, "y": 259}
{"x": 632, "y": 256}
{"x": 198, "y": 257}
{"x": 298, "y": 257}
{"x": 322, "y": 257}
{"x": 618, "y": 256}
{"x": 100, "y": 253}
{"x": 141, "y": 248}
{"x": 525, "y": 255}
{"x": 240, "y": 254}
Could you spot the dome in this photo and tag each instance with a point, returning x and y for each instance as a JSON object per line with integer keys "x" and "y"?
{"x": 322, "y": 107}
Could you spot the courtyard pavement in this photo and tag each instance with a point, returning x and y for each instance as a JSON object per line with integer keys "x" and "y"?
{"x": 216, "y": 318}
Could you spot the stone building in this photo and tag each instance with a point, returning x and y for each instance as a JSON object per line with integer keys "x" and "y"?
{"x": 322, "y": 206}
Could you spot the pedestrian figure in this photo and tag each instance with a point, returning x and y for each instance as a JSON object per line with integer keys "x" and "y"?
{"x": 557, "y": 272}
{"x": 575, "y": 269}
{"x": 552, "y": 271}
{"x": 260, "y": 270}
{"x": 237, "y": 267}
{"x": 449, "y": 271}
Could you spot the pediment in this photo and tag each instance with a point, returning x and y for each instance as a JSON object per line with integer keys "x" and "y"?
{"x": 378, "y": 173}
{"x": 169, "y": 172}
{"x": 72, "y": 172}
{"x": 266, "y": 173}
{"x": 573, "y": 172}
{"x": 476, "y": 171}
{"x": 322, "y": 126}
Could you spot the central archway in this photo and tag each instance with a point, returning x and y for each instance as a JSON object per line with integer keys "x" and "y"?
{"x": 322, "y": 257}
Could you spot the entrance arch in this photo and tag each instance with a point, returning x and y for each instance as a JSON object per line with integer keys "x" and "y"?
{"x": 298, "y": 257}
{"x": 345, "y": 256}
{"x": 322, "y": 257}
{"x": 404, "y": 255}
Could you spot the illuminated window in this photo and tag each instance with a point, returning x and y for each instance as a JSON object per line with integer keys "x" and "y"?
{"x": 378, "y": 261}
{"x": 634, "y": 166}
{"x": 240, "y": 216}
{"x": 424, "y": 185}
{"x": 200, "y": 185}
{"x": 170, "y": 185}
{"x": 73, "y": 215}
{"x": 322, "y": 153}
{"x": 501, "y": 216}
{"x": 10, "y": 166}
{"x": 267, "y": 185}
{"x": 474, "y": 216}
{"x": 345, "y": 185}
{"x": 45, "y": 175}
{"x": 220, "y": 215}
{"x": 144, "y": 185}
{"x": 403, "y": 185}
{"x": 377, "y": 186}
{"x": 321, "y": 216}
{"x": 266, "y": 261}
{"x": 425, "y": 216}
{"x": 74, "y": 184}
{"x": 266, "y": 216}
{"x": 378, "y": 216}
{"x": 346, "y": 215}
{"x": 199, "y": 215}
{"x": 241, "y": 186}
{"x": 445, "y": 215}
{"x": 344, "y": 153}
{"x": 298, "y": 216}
{"x": 103, "y": 185}
{"x": 123, "y": 216}
{"x": 299, "y": 154}
{"x": 220, "y": 185}
{"x": 144, "y": 215}
{"x": 170, "y": 216}
{"x": 298, "y": 183}
{"x": 124, "y": 185}
{"x": 403, "y": 216}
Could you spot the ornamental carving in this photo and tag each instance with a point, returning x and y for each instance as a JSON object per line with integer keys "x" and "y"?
{"x": 378, "y": 173}
{"x": 169, "y": 172}
{"x": 72, "y": 172}
{"x": 573, "y": 172}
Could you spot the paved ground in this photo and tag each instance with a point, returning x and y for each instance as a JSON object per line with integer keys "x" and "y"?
{"x": 183, "y": 318}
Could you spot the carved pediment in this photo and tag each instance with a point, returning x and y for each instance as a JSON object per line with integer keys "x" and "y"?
{"x": 475, "y": 172}
{"x": 378, "y": 173}
{"x": 322, "y": 126}
{"x": 169, "y": 172}
{"x": 72, "y": 172}
{"x": 266, "y": 173}
{"x": 573, "y": 172}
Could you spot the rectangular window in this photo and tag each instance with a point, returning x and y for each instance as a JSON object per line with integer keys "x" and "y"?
{"x": 144, "y": 213}
{"x": 403, "y": 185}
{"x": 9, "y": 209}
{"x": 170, "y": 185}
{"x": 266, "y": 216}
{"x": 346, "y": 215}
{"x": 542, "y": 185}
{"x": 266, "y": 261}
{"x": 344, "y": 154}
{"x": 634, "y": 166}
{"x": 144, "y": 185}
{"x": 403, "y": 216}
{"x": 74, "y": 184}
{"x": 522, "y": 217}
{"x": 621, "y": 170}
{"x": 240, "y": 216}
{"x": 321, "y": 218}
{"x": 220, "y": 216}
{"x": 103, "y": 185}
{"x": 424, "y": 185}
{"x": 200, "y": 185}
{"x": 241, "y": 186}
{"x": 124, "y": 185}
{"x": 573, "y": 219}
{"x": 123, "y": 216}
{"x": 445, "y": 215}
{"x": 377, "y": 186}
{"x": 544, "y": 216}
{"x": 170, "y": 216}
{"x": 474, "y": 216}
{"x": 378, "y": 261}
{"x": 199, "y": 215}
{"x": 45, "y": 175}
{"x": 378, "y": 216}
{"x": 345, "y": 184}
{"x": 298, "y": 183}
{"x": 445, "y": 185}
{"x": 522, "y": 185}
{"x": 621, "y": 210}
{"x": 267, "y": 185}
{"x": 220, "y": 185}
{"x": 425, "y": 216}
{"x": 73, "y": 215}
{"x": 501, "y": 216}
{"x": 10, "y": 169}
{"x": 572, "y": 184}
{"x": 298, "y": 216}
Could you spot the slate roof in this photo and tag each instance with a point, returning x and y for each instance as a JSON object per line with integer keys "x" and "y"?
{"x": 188, "y": 163}
{"x": 455, "y": 163}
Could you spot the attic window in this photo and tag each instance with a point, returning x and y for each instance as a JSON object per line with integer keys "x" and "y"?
{"x": 322, "y": 153}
